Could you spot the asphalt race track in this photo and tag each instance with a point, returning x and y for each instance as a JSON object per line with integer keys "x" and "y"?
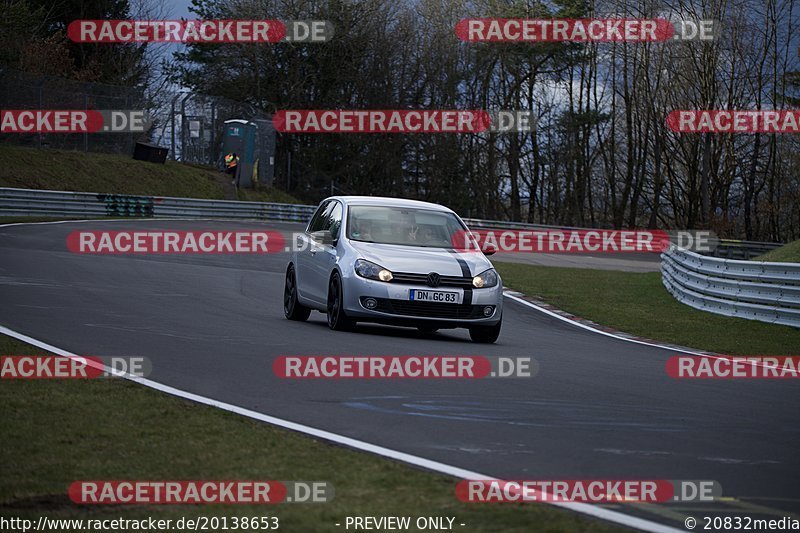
{"x": 599, "y": 408}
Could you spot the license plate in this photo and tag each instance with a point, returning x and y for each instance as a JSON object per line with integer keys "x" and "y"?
{"x": 445, "y": 297}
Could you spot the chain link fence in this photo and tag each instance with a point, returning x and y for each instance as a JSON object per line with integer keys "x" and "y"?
{"x": 20, "y": 90}
{"x": 189, "y": 124}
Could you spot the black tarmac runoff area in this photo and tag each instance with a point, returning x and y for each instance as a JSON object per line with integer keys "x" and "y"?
{"x": 599, "y": 407}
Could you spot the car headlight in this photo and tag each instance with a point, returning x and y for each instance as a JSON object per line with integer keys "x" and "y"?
{"x": 369, "y": 270}
{"x": 485, "y": 279}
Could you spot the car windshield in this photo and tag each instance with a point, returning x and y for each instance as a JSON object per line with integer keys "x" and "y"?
{"x": 403, "y": 225}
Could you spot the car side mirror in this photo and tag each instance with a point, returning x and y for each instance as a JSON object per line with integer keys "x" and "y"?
{"x": 323, "y": 236}
{"x": 489, "y": 249}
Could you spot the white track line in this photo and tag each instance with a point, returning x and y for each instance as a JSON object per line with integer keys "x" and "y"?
{"x": 615, "y": 336}
{"x": 435, "y": 466}
{"x": 595, "y": 330}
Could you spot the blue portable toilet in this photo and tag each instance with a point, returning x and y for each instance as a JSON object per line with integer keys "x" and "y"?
{"x": 254, "y": 143}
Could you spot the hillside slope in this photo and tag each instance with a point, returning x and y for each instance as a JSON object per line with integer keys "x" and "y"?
{"x": 64, "y": 170}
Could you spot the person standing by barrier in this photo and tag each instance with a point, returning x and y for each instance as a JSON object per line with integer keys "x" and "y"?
{"x": 231, "y": 165}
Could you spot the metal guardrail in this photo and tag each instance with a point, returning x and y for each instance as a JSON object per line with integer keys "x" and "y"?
{"x": 28, "y": 202}
{"x": 504, "y": 224}
{"x": 32, "y": 202}
{"x": 746, "y": 250}
{"x": 727, "y": 248}
{"x": 769, "y": 292}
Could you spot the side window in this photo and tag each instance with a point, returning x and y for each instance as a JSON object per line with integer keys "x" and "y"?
{"x": 335, "y": 220}
{"x": 318, "y": 220}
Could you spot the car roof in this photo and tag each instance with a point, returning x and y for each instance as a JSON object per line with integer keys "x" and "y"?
{"x": 386, "y": 201}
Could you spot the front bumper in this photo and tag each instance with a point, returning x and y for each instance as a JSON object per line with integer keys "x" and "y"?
{"x": 394, "y": 306}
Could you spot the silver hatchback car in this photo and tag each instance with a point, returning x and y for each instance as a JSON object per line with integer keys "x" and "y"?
{"x": 392, "y": 261}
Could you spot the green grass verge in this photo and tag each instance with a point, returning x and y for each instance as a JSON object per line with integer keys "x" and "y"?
{"x": 638, "y": 303}
{"x": 64, "y": 170}
{"x": 788, "y": 253}
{"x": 57, "y": 432}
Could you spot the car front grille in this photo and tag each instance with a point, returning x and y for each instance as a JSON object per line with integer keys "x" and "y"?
{"x": 422, "y": 279}
{"x": 429, "y": 309}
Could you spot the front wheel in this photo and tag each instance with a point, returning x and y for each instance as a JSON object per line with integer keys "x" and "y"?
{"x": 485, "y": 334}
{"x": 292, "y": 308}
{"x": 337, "y": 319}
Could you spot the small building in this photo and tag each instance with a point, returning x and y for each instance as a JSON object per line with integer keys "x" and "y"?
{"x": 254, "y": 142}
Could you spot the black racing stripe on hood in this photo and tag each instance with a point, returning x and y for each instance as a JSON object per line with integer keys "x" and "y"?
{"x": 464, "y": 272}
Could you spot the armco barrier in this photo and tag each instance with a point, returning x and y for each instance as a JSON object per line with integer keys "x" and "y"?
{"x": 504, "y": 224}
{"x": 28, "y": 202}
{"x": 769, "y": 292}
{"x": 43, "y": 203}
{"x": 735, "y": 249}
{"x": 727, "y": 248}
{"x": 33, "y": 202}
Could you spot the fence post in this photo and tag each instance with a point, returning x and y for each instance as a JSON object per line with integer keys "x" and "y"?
{"x": 85, "y": 134}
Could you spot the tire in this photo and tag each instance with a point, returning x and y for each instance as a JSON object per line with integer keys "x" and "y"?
{"x": 485, "y": 334}
{"x": 337, "y": 319}
{"x": 292, "y": 308}
{"x": 427, "y": 330}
